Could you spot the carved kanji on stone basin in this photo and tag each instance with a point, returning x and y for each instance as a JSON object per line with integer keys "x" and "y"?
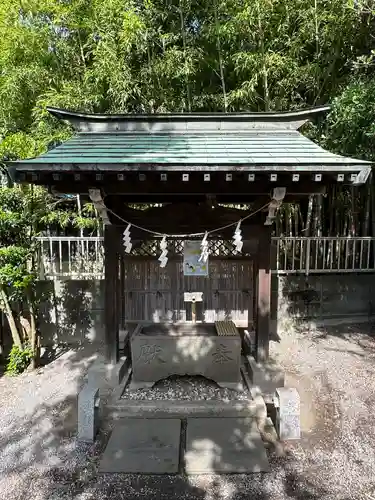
{"x": 149, "y": 353}
{"x": 222, "y": 354}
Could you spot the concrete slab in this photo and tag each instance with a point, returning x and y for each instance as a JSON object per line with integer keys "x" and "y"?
{"x": 143, "y": 446}
{"x": 224, "y": 445}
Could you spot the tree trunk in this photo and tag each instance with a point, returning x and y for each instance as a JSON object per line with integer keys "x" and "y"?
{"x": 35, "y": 345}
{"x": 9, "y": 314}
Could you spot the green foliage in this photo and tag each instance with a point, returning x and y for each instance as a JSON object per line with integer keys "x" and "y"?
{"x": 123, "y": 55}
{"x": 15, "y": 278}
{"x": 25, "y": 212}
{"x": 350, "y": 127}
{"x": 18, "y": 360}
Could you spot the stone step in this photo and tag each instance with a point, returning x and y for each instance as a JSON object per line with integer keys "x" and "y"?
{"x": 209, "y": 446}
{"x": 224, "y": 446}
{"x": 142, "y": 446}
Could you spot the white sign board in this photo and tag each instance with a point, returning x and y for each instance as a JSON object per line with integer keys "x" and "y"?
{"x": 193, "y": 297}
{"x": 192, "y": 265}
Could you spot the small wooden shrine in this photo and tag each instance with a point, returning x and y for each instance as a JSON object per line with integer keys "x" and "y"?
{"x": 162, "y": 180}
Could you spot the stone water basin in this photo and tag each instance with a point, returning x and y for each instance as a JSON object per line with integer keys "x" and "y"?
{"x": 160, "y": 350}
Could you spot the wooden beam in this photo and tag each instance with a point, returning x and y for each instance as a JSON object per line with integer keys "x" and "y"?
{"x": 96, "y": 198}
{"x": 195, "y": 185}
{"x": 183, "y": 217}
{"x": 111, "y": 302}
{"x": 277, "y": 196}
{"x": 263, "y": 295}
{"x": 221, "y": 197}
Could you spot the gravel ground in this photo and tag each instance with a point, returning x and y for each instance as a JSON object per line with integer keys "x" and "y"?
{"x": 335, "y": 459}
{"x": 186, "y": 389}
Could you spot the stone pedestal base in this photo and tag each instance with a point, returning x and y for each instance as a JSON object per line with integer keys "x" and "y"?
{"x": 265, "y": 377}
{"x": 288, "y": 410}
{"x": 88, "y": 413}
{"x": 105, "y": 375}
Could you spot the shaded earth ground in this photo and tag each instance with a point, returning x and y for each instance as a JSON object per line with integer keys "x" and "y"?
{"x": 334, "y": 371}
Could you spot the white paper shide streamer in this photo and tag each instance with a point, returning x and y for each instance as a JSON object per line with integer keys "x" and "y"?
{"x": 163, "y": 259}
{"x": 237, "y": 238}
{"x": 204, "y": 248}
{"x": 127, "y": 242}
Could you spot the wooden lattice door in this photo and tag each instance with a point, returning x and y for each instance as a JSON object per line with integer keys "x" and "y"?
{"x": 152, "y": 293}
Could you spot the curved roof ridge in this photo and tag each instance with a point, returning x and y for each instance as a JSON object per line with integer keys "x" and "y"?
{"x": 64, "y": 114}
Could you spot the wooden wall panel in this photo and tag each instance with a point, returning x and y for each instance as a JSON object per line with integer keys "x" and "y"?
{"x": 156, "y": 294}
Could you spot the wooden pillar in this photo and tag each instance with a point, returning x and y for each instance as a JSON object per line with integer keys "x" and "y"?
{"x": 111, "y": 302}
{"x": 262, "y": 302}
{"x": 122, "y": 291}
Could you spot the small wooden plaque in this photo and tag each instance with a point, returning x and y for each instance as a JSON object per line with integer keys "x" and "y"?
{"x": 193, "y": 297}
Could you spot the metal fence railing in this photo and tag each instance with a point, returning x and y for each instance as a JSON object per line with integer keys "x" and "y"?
{"x": 308, "y": 255}
{"x": 64, "y": 257}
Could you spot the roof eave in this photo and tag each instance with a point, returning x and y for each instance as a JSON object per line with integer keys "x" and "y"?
{"x": 151, "y": 166}
{"x": 184, "y": 122}
{"x": 283, "y": 116}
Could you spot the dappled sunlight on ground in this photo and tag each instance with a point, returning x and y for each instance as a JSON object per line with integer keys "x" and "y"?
{"x": 334, "y": 373}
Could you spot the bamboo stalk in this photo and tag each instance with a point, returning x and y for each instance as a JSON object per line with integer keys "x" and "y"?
{"x": 266, "y": 96}
{"x": 366, "y": 224}
{"x": 183, "y": 33}
{"x": 309, "y": 215}
{"x": 218, "y": 45}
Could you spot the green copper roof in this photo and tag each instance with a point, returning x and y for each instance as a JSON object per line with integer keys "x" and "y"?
{"x": 191, "y": 141}
{"x": 124, "y": 151}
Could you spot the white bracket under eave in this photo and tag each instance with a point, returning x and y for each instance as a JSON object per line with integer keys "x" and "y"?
{"x": 362, "y": 177}
{"x": 96, "y": 197}
{"x": 278, "y": 195}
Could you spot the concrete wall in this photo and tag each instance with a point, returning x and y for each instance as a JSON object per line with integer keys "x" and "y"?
{"x": 73, "y": 312}
{"x": 322, "y": 298}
